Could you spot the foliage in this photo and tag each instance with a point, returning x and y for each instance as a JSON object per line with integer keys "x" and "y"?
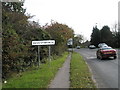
{"x": 116, "y": 40}
{"x": 13, "y": 7}
{"x": 10, "y": 50}
{"x": 13, "y": 49}
{"x": 18, "y": 33}
{"x": 60, "y": 33}
{"x": 105, "y": 36}
{"x": 77, "y": 40}
{"x": 95, "y": 36}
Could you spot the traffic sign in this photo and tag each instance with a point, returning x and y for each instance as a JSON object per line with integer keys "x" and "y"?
{"x": 44, "y": 42}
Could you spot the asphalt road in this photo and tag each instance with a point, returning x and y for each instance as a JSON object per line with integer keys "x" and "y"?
{"x": 105, "y": 72}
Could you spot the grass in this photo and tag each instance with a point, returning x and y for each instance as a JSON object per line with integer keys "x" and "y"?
{"x": 37, "y": 78}
{"x": 80, "y": 75}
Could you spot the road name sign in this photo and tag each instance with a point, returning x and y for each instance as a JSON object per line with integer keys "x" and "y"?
{"x": 44, "y": 42}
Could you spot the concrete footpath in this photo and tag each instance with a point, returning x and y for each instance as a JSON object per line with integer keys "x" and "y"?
{"x": 61, "y": 79}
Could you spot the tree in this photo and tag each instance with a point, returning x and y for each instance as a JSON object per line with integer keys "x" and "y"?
{"x": 116, "y": 35}
{"x": 13, "y": 49}
{"x": 95, "y": 36}
{"x": 18, "y": 33}
{"x": 106, "y": 35}
{"x": 78, "y": 40}
{"x": 116, "y": 39}
{"x": 60, "y": 33}
{"x": 13, "y": 7}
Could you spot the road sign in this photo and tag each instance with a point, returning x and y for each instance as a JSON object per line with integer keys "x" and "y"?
{"x": 44, "y": 42}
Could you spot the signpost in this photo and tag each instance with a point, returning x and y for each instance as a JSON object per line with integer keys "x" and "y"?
{"x": 43, "y": 42}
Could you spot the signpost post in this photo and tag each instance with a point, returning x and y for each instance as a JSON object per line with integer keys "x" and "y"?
{"x": 42, "y": 43}
{"x": 38, "y": 55}
{"x": 49, "y": 53}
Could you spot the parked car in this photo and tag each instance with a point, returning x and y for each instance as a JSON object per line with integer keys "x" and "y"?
{"x": 106, "y": 52}
{"x": 92, "y": 47}
{"x": 102, "y": 45}
{"x": 70, "y": 50}
{"x": 78, "y": 47}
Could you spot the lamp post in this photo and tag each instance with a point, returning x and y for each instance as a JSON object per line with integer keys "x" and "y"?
{"x": 73, "y": 42}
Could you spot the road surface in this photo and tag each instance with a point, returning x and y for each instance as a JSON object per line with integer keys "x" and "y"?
{"x": 105, "y": 72}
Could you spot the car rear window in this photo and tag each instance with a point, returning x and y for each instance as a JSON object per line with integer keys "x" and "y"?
{"x": 106, "y": 48}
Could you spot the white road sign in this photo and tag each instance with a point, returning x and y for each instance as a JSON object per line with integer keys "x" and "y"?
{"x": 44, "y": 42}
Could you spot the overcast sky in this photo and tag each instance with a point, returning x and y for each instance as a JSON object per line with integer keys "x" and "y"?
{"x": 80, "y": 15}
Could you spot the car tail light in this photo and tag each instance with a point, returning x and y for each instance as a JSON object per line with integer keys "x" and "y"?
{"x": 108, "y": 51}
{"x": 102, "y": 51}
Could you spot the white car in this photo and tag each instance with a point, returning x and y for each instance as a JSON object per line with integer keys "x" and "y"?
{"x": 102, "y": 45}
{"x": 92, "y": 47}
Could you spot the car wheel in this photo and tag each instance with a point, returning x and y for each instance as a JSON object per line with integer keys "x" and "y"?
{"x": 101, "y": 57}
{"x": 98, "y": 57}
{"x": 115, "y": 57}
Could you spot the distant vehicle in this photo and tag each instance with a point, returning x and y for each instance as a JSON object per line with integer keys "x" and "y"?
{"x": 102, "y": 45}
{"x": 106, "y": 52}
{"x": 70, "y": 50}
{"x": 92, "y": 47}
{"x": 78, "y": 47}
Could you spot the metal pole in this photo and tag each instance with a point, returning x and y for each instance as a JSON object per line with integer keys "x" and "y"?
{"x": 49, "y": 54}
{"x": 38, "y": 55}
{"x": 72, "y": 43}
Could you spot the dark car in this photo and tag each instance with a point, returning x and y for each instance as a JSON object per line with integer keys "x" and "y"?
{"x": 78, "y": 47}
{"x": 106, "y": 52}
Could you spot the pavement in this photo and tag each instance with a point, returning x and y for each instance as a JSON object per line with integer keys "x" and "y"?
{"x": 61, "y": 79}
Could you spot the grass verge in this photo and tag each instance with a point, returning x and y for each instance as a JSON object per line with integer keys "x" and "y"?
{"x": 37, "y": 78}
{"x": 80, "y": 75}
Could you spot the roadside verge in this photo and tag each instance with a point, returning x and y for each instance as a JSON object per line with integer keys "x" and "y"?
{"x": 37, "y": 77}
{"x": 80, "y": 76}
